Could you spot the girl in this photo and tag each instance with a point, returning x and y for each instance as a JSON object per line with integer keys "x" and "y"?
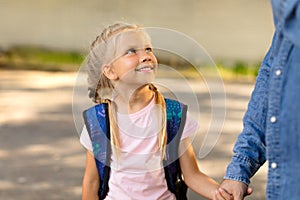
{"x": 121, "y": 67}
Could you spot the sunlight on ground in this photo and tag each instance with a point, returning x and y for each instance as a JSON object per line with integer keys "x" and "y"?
{"x": 19, "y": 93}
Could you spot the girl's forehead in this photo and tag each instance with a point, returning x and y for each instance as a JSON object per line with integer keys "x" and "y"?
{"x": 132, "y": 38}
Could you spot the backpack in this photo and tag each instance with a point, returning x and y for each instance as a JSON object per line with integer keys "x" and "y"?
{"x": 97, "y": 124}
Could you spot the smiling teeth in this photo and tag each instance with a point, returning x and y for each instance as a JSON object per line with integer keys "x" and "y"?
{"x": 145, "y": 69}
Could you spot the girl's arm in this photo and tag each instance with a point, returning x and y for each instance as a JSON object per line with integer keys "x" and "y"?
{"x": 90, "y": 184}
{"x": 193, "y": 177}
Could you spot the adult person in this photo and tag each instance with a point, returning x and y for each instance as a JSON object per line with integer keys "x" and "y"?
{"x": 272, "y": 121}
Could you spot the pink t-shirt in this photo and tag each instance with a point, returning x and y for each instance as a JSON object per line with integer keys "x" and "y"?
{"x": 138, "y": 172}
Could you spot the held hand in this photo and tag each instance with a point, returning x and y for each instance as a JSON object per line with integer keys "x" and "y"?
{"x": 222, "y": 194}
{"x": 236, "y": 188}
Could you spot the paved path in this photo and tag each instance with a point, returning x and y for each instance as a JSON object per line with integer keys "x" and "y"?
{"x": 40, "y": 154}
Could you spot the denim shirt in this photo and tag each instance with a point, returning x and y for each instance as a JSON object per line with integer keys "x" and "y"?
{"x": 272, "y": 121}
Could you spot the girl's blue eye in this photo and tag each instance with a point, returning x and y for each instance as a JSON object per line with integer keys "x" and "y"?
{"x": 131, "y": 51}
{"x": 148, "y": 49}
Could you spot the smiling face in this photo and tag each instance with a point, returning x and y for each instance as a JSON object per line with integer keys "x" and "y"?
{"x": 135, "y": 63}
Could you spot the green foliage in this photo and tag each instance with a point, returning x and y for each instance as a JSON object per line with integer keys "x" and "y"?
{"x": 239, "y": 70}
{"x": 34, "y": 58}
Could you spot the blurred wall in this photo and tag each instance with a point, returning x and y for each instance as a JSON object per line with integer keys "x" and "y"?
{"x": 228, "y": 30}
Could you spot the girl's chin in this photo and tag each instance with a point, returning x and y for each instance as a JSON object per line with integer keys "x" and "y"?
{"x": 141, "y": 79}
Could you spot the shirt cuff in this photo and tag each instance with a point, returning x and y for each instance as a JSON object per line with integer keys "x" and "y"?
{"x": 241, "y": 168}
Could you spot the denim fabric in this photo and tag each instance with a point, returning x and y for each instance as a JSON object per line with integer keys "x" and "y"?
{"x": 272, "y": 121}
{"x": 287, "y": 17}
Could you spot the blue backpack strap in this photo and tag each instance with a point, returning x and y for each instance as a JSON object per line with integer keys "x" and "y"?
{"x": 176, "y": 117}
{"x": 97, "y": 124}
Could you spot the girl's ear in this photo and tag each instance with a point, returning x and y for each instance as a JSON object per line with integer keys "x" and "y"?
{"x": 109, "y": 72}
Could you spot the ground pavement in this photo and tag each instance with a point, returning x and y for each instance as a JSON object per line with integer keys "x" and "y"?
{"x": 40, "y": 153}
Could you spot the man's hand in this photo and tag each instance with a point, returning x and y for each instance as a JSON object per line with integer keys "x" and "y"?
{"x": 236, "y": 188}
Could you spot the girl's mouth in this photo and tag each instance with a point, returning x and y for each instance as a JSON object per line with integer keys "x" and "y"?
{"x": 145, "y": 68}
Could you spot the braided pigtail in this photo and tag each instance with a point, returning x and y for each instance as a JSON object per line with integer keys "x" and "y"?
{"x": 162, "y": 117}
{"x": 114, "y": 129}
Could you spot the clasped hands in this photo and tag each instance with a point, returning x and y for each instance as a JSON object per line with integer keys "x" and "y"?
{"x": 232, "y": 190}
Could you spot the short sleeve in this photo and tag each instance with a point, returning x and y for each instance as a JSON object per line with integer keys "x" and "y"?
{"x": 85, "y": 139}
{"x": 191, "y": 126}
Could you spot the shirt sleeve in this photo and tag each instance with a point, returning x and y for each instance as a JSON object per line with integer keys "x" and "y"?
{"x": 85, "y": 139}
{"x": 250, "y": 147}
{"x": 191, "y": 127}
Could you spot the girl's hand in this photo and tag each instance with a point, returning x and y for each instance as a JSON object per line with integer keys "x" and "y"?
{"x": 222, "y": 194}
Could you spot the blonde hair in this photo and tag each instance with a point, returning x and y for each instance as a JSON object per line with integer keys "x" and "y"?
{"x": 100, "y": 88}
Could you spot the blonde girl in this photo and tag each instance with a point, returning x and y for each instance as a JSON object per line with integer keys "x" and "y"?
{"x": 121, "y": 68}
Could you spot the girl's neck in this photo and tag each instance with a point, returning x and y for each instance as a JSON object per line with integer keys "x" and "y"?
{"x": 134, "y": 100}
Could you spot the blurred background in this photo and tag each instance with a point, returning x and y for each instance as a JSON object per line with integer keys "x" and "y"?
{"x": 237, "y": 30}
{"x": 43, "y": 43}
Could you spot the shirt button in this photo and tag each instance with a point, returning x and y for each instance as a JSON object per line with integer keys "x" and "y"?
{"x": 273, "y": 119}
{"x": 273, "y": 165}
{"x": 278, "y": 72}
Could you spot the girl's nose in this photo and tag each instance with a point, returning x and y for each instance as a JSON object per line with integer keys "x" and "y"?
{"x": 145, "y": 57}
